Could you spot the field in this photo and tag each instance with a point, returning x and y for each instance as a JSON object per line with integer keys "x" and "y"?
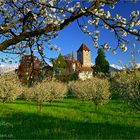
{"x": 69, "y": 119}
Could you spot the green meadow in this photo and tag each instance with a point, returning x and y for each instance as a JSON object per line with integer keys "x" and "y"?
{"x": 68, "y": 119}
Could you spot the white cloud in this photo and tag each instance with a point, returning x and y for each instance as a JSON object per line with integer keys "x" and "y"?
{"x": 116, "y": 66}
{"x": 138, "y": 65}
{"x": 7, "y": 68}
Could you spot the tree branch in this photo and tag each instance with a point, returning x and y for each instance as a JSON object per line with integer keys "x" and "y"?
{"x": 49, "y": 28}
{"x": 4, "y": 29}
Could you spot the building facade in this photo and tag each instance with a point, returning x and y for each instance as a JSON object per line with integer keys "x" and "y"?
{"x": 83, "y": 63}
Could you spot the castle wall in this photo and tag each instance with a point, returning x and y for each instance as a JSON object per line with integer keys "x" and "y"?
{"x": 83, "y": 75}
{"x": 86, "y": 58}
{"x": 80, "y": 56}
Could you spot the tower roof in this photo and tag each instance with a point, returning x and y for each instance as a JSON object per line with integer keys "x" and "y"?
{"x": 72, "y": 56}
{"x": 83, "y": 47}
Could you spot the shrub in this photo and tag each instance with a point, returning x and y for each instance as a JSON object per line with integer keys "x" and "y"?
{"x": 66, "y": 76}
{"x": 10, "y": 87}
{"x": 45, "y": 91}
{"x": 27, "y": 93}
{"x": 95, "y": 90}
{"x": 127, "y": 85}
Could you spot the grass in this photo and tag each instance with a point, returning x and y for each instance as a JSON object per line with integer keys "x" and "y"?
{"x": 69, "y": 119}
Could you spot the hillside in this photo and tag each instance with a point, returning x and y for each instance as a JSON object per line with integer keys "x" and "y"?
{"x": 69, "y": 119}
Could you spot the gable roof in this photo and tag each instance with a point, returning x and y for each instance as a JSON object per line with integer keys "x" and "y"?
{"x": 83, "y": 47}
{"x": 85, "y": 69}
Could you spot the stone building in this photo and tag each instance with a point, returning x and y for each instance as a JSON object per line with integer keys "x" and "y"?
{"x": 83, "y": 63}
{"x": 83, "y": 55}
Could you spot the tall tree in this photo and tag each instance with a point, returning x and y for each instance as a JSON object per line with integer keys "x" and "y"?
{"x": 61, "y": 70}
{"x": 60, "y": 62}
{"x": 102, "y": 65}
{"x": 29, "y": 69}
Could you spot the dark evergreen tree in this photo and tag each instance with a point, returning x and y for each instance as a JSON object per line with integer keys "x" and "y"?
{"x": 59, "y": 65}
{"x": 60, "y": 69}
{"x": 102, "y": 65}
{"x": 60, "y": 62}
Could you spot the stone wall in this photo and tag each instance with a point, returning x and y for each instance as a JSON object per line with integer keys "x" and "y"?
{"x": 86, "y": 58}
{"x": 80, "y": 56}
{"x": 83, "y": 75}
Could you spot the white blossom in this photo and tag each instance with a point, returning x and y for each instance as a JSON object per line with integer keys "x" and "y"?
{"x": 124, "y": 33}
{"x": 53, "y": 13}
{"x": 83, "y": 11}
{"x": 118, "y": 17}
{"x": 51, "y": 2}
{"x": 123, "y": 20}
{"x": 135, "y": 14}
{"x": 77, "y": 5}
{"x": 84, "y": 27}
{"x": 134, "y": 30}
{"x": 96, "y": 45}
{"x": 106, "y": 46}
{"x": 96, "y": 34}
{"x": 107, "y": 14}
{"x": 137, "y": 23}
{"x": 71, "y": 9}
{"x": 112, "y": 6}
{"x": 42, "y": 1}
{"x": 90, "y": 22}
{"x": 114, "y": 51}
{"x": 124, "y": 49}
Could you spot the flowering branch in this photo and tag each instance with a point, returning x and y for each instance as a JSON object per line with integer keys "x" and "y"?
{"x": 47, "y": 18}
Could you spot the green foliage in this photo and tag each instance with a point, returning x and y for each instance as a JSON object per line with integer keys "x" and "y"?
{"x": 68, "y": 119}
{"x": 102, "y": 65}
{"x": 61, "y": 73}
{"x": 45, "y": 73}
{"x": 59, "y": 63}
{"x": 66, "y": 76}
{"x": 126, "y": 85}
{"x": 95, "y": 90}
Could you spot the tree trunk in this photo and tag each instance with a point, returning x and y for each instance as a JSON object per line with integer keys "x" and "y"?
{"x": 40, "y": 107}
{"x": 96, "y": 107}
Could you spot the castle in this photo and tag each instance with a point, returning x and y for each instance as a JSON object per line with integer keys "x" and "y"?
{"x": 83, "y": 63}
{"x": 82, "y": 66}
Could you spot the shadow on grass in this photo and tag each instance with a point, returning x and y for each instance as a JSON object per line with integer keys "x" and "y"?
{"x": 22, "y": 101}
{"x": 80, "y": 105}
{"x": 35, "y": 126}
{"x": 56, "y": 103}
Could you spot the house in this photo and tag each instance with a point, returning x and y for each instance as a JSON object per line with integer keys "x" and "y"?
{"x": 83, "y": 63}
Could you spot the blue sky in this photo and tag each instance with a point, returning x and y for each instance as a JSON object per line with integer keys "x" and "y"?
{"x": 71, "y": 38}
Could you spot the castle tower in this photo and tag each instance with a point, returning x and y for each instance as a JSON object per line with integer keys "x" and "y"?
{"x": 73, "y": 61}
{"x": 83, "y": 55}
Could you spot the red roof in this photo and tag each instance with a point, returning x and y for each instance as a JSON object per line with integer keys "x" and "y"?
{"x": 83, "y": 47}
{"x": 69, "y": 61}
{"x": 85, "y": 69}
{"x": 79, "y": 67}
{"x": 93, "y": 67}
